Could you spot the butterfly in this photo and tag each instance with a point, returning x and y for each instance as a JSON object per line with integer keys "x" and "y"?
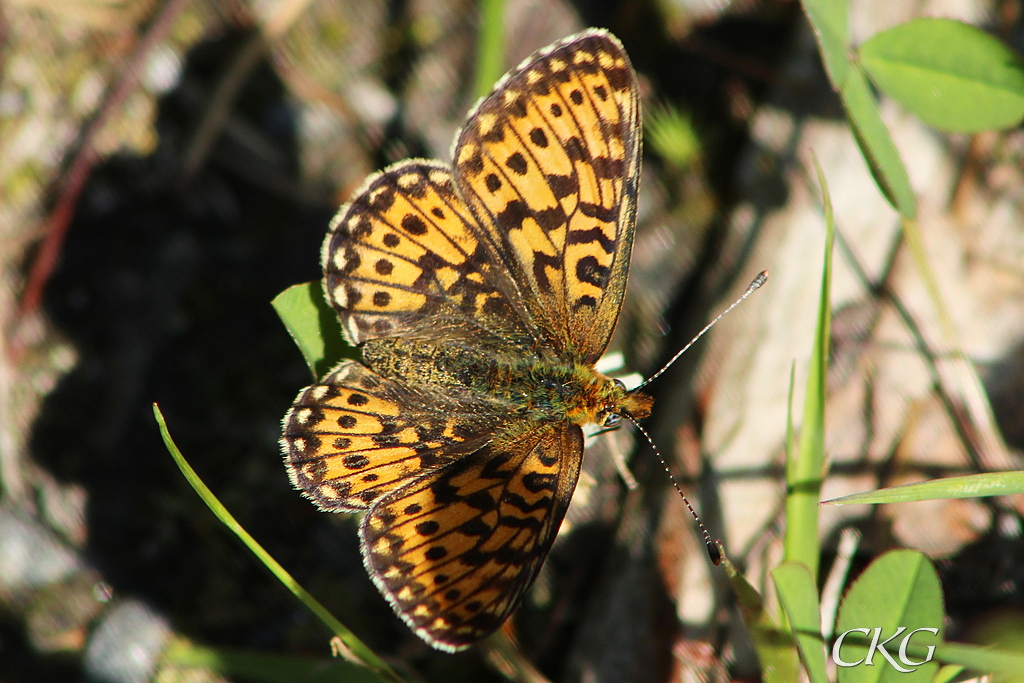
{"x": 481, "y": 294}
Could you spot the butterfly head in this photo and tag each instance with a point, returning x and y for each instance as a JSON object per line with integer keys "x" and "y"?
{"x": 619, "y": 402}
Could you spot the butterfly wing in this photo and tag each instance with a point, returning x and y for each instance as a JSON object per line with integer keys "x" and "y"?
{"x": 549, "y": 164}
{"x": 405, "y": 259}
{"x": 355, "y": 436}
{"x": 524, "y": 248}
{"x": 454, "y": 551}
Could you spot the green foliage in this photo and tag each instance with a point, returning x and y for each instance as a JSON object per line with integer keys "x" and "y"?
{"x": 266, "y": 668}
{"x": 490, "y": 56}
{"x": 969, "y": 486}
{"x": 775, "y": 647}
{"x": 670, "y": 133}
{"x": 360, "y": 659}
{"x": 899, "y": 589}
{"x": 799, "y": 599}
{"x": 805, "y": 471}
{"x": 952, "y": 75}
{"x": 313, "y": 325}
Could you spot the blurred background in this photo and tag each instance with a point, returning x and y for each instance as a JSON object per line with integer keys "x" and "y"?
{"x": 168, "y": 166}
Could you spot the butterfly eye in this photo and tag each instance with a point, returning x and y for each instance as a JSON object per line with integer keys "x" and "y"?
{"x": 611, "y": 420}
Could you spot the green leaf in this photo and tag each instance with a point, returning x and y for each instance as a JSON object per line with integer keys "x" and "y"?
{"x": 899, "y": 589}
{"x": 799, "y": 597}
{"x": 830, "y": 20}
{"x": 776, "y": 651}
{"x": 952, "y": 75}
{"x": 948, "y": 673}
{"x": 970, "y": 486}
{"x": 490, "y": 54}
{"x": 806, "y": 470}
{"x": 876, "y": 144}
{"x": 981, "y": 658}
{"x": 266, "y": 668}
{"x": 314, "y": 326}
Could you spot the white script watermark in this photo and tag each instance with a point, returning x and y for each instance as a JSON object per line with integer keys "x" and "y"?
{"x": 878, "y": 645}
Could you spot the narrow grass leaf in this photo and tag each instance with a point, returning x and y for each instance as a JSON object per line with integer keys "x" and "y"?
{"x": 799, "y": 597}
{"x": 830, "y": 20}
{"x": 876, "y": 144}
{"x": 266, "y": 668}
{"x": 948, "y": 673}
{"x": 776, "y": 649}
{"x": 490, "y": 55}
{"x": 360, "y": 651}
{"x": 981, "y": 658}
{"x": 805, "y": 472}
{"x": 969, "y": 486}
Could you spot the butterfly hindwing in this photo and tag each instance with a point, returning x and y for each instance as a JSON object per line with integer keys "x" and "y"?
{"x": 355, "y": 436}
{"x": 455, "y": 550}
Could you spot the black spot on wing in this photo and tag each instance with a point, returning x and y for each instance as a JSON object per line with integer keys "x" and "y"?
{"x": 563, "y": 185}
{"x": 607, "y": 214}
{"x": 591, "y": 236}
{"x": 517, "y": 163}
{"x": 414, "y": 225}
{"x": 541, "y": 262}
{"x": 590, "y": 271}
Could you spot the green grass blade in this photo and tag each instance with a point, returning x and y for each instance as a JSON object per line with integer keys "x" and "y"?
{"x": 876, "y": 144}
{"x": 981, "y": 658}
{"x": 970, "y": 486}
{"x": 830, "y": 20}
{"x": 776, "y": 650}
{"x": 805, "y": 472}
{"x": 490, "y": 56}
{"x": 359, "y": 651}
{"x": 799, "y": 597}
{"x": 267, "y": 668}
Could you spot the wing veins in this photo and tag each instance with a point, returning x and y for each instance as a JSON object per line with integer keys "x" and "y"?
{"x": 503, "y": 570}
{"x": 511, "y": 250}
{"x": 442, "y": 294}
{"x": 568, "y": 219}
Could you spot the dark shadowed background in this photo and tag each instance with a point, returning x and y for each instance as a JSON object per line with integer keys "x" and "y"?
{"x": 176, "y": 205}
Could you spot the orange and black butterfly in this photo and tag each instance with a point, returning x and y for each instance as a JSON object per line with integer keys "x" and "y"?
{"x": 481, "y": 294}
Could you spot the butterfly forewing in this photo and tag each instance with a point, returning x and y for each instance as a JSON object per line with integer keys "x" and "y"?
{"x": 549, "y": 163}
{"x": 404, "y": 259}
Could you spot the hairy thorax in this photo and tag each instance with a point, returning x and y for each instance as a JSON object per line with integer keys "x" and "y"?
{"x": 539, "y": 389}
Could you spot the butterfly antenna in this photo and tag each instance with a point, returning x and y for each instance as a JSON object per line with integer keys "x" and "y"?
{"x": 713, "y": 553}
{"x": 761, "y": 278}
